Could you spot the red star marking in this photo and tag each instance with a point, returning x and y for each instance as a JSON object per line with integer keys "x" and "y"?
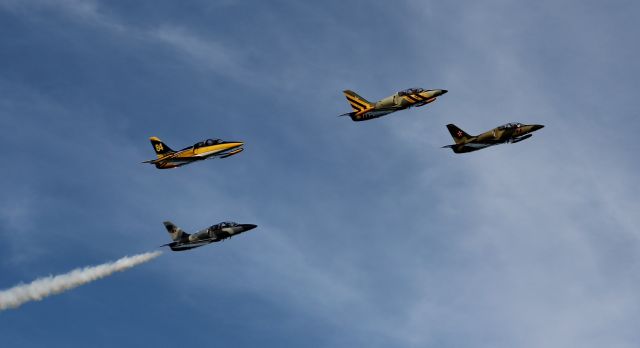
{"x": 459, "y": 133}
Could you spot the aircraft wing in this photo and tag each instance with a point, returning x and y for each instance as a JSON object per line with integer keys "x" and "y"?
{"x": 193, "y": 244}
{"x": 200, "y": 242}
{"x": 518, "y": 139}
{"x": 369, "y": 110}
{"x": 168, "y": 157}
{"x": 477, "y": 146}
{"x": 464, "y": 148}
{"x": 390, "y": 109}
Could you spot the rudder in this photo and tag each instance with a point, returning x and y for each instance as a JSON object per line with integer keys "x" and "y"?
{"x": 457, "y": 134}
{"x": 159, "y": 147}
{"x": 357, "y": 102}
{"x": 176, "y": 232}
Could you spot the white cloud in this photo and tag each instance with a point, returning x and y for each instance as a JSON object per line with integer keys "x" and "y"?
{"x": 539, "y": 220}
{"x": 201, "y": 53}
{"x": 205, "y": 53}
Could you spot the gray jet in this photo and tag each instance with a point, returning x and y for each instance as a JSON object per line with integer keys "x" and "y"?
{"x": 185, "y": 241}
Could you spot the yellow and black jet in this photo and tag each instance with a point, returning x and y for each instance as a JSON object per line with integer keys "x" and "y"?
{"x": 413, "y": 97}
{"x": 508, "y": 133}
{"x": 210, "y": 148}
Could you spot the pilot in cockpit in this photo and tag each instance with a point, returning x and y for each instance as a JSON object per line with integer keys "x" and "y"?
{"x": 410, "y": 91}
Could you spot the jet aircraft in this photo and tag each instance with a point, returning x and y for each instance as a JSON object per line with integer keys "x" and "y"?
{"x": 413, "y": 97}
{"x": 210, "y": 148}
{"x": 218, "y": 232}
{"x": 508, "y": 133}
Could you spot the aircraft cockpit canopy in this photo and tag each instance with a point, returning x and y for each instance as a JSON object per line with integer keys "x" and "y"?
{"x": 410, "y": 91}
{"x": 511, "y": 125}
{"x": 224, "y": 225}
{"x": 208, "y": 142}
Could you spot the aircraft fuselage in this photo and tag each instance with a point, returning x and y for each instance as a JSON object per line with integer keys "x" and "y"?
{"x": 412, "y": 97}
{"x": 203, "y": 150}
{"x": 215, "y": 233}
{"x": 509, "y": 133}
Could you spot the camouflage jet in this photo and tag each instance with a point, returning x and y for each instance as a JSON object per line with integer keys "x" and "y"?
{"x": 413, "y": 97}
{"x": 184, "y": 241}
{"x": 508, "y": 133}
{"x": 203, "y": 150}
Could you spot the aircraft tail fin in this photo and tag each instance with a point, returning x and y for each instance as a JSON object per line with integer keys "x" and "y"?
{"x": 357, "y": 102}
{"x": 459, "y": 136}
{"x": 176, "y": 232}
{"x": 159, "y": 147}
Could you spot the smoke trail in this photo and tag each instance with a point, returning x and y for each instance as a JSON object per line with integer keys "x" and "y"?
{"x": 43, "y": 287}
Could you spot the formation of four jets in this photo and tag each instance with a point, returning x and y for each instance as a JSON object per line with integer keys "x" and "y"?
{"x": 362, "y": 110}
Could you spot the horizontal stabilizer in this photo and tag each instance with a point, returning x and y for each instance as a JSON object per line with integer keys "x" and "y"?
{"x": 150, "y": 161}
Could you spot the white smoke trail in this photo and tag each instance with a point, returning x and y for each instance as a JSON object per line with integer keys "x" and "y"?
{"x": 51, "y": 285}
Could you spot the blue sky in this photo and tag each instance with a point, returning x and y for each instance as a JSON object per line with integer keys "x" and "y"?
{"x": 369, "y": 234}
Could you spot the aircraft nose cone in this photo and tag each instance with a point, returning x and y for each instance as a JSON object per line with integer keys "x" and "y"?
{"x": 248, "y": 227}
{"x": 438, "y": 92}
{"x": 235, "y": 144}
{"x": 535, "y": 127}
